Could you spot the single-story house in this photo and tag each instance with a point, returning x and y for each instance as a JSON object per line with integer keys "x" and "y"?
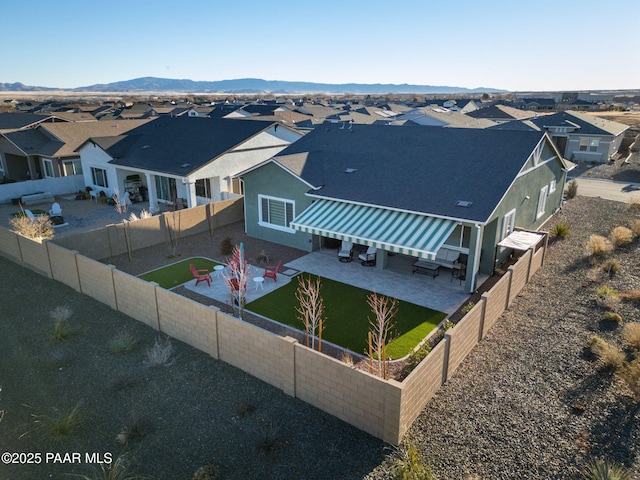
{"x": 583, "y": 137}
{"x": 48, "y": 150}
{"x": 407, "y": 191}
{"x": 184, "y": 161}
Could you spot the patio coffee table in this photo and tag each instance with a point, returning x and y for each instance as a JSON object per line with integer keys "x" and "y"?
{"x": 426, "y": 268}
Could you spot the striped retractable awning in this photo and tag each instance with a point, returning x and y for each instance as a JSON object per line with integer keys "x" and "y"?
{"x": 400, "y": 232}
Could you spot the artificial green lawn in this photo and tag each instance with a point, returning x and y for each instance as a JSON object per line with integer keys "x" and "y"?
{"x": 35, "y": 212}
{"x": 178, "y": 273}
{"x": 347, "y": 316}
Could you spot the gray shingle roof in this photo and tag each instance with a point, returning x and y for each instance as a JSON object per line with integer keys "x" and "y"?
{"x": 420, "y": 169}
{"x": 589, "y": 124}
{"x": 181, "y": 145}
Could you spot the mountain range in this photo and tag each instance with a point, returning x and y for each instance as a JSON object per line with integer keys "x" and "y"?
{"x": 248, "y": 86}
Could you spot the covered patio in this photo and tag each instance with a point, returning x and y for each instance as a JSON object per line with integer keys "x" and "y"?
{"x": 442, "y": 293}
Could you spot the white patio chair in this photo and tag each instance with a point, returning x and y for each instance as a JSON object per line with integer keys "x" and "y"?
{"x": 345, "y": 254}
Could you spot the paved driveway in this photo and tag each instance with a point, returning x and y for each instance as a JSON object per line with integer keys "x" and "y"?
{"x": 609, "y": 189}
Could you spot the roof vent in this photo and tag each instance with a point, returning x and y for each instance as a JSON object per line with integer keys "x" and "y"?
{"x": 146, "y": 146}
{"x": 185, "y": 165}
{"x": 463, "y": 203}
{"x": 350, "y": 170}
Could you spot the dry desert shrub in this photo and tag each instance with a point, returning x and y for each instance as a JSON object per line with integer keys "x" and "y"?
{"x": 634, "y": 225}
{"x": 595, "y": 275}
{"x": 38, "y": 227}
{"x": 611, "y": 266}
{"x": 631, "y": 376}
{"x": 599, "y": 246}
{"x": 609, "y": 356}
{"x": 607, "y": 297}
{"x": 631, "y": 335}
{"x": 630, "y": 295}
{"x": 634, "y": 205}
{"x": 620, "y": 236}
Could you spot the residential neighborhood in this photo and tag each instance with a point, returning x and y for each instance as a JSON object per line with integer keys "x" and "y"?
{"x": 452, "y": 206}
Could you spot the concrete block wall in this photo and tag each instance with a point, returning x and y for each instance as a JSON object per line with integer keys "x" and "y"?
{"x": 464, "y": 336}
{"x": 9, "y": 245}
{"x": 536, "y": 262}
{"x": 96, "y": 280}
{"x": 356, "y": 397}
{"x": 496, "y": 302}
{"x": 136, "y": 298}
{"x": 226, "y": 212}
{"x": 64, "y": 266}
{"x": 519, "y": 275}
{"x": 188, "y": 321}
{"x": 422, "y": 384}
{"x": 34, "y": 255}
{"x": 258, "y": 352}
{"x": 93, "y": 244}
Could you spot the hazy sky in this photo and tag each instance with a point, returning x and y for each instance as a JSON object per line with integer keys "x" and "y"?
{"x": 516, "y": 45}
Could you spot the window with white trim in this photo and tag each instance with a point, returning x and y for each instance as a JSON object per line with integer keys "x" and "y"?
{"x": 48, "y": 167}
{"x": 72, "y": 167}
{"x": 589, "y": 144}
{"x": 542, "y": 201}
{"x": 508, "y": 223}
{"x": 99, "y": 177}
{"x": 552, "y": 186}
{"x": 203, "y": 187}
{"x": 276, "y": 213}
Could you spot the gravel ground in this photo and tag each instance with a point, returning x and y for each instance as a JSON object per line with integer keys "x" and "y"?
{"x": 508, "y": 412}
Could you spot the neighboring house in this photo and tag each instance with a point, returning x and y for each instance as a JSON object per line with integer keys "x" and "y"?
{"x": 441, "y": 117}
{"x": 408, "y": 191}
{"x": 501, "y": 113}
{"x": 181, "y": 160}
{"x": 49, "y": 149}
{"x": 580, "y": 137}
{"x": 538, "y": 104}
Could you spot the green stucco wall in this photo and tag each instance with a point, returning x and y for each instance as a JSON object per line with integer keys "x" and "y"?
{"x": 274, "y": 181}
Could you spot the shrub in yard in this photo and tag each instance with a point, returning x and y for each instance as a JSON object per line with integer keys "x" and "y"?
{"x": 621, "y": 236}
{"x": 599, "y": 246}
{"x": 631, "y": 295}
{"x": 634, "y": 205}
{"x": 116, "y": 470}
{"x": 560, "y": 230}
{"x": 630, "y": 373}
{"x": 572, "y": 189}
{"x": 407, "y": 465}
{"x": 595, "y": 275}
{"x": 60, "y": 423}
{"x": 612, "y": 317}
{"x": 611, "y": 266}
{"x": 609, "y": 356}
{"x": 631, "y": 335}
{"x": 268, "y": 438}
{"x": 208, "y": 472}
{"x": 226, "y": 246}
{"x": 592, "y": 341}
{"x": 604, "y": 470}
{"x": 134, "y": 429}
{"x": 635, "y": 227}
{"x": 38, "y": 227}
{"x": 607, "y": 297}
{"x": 467, "y": 307}
{"x": 161, "y": 354}
{"x": 123, "y": 342}
{"x": 61, "y": 328}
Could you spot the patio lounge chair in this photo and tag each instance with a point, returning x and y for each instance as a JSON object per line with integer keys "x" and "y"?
{"x": 271, "y": 271}
{"x": 200, "y": 275}
{"x": 345, "y": 254}
{"x": 368, "y": 258}
{"x": 56, "y": 210}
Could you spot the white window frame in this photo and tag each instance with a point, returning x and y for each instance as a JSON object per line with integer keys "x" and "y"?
{"x": 589, "y": 144}
{"x": 203, "y": 185}
{"x": 104, "y": 175}
{"x": 508, "y": 223}
{"x": 542, "y": 201}
{"x": 47, "y": 166}
{"x": 74, "y": 165}
{"x": 273, "y": 201}
{"x": 552, "y": 186}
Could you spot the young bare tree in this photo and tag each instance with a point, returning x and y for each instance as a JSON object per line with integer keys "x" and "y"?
{"x": 237, "y": 279}
{"x": 380, "y": 331}
{"x": 122, "y": 207}
{"x": 311, "y": 310}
